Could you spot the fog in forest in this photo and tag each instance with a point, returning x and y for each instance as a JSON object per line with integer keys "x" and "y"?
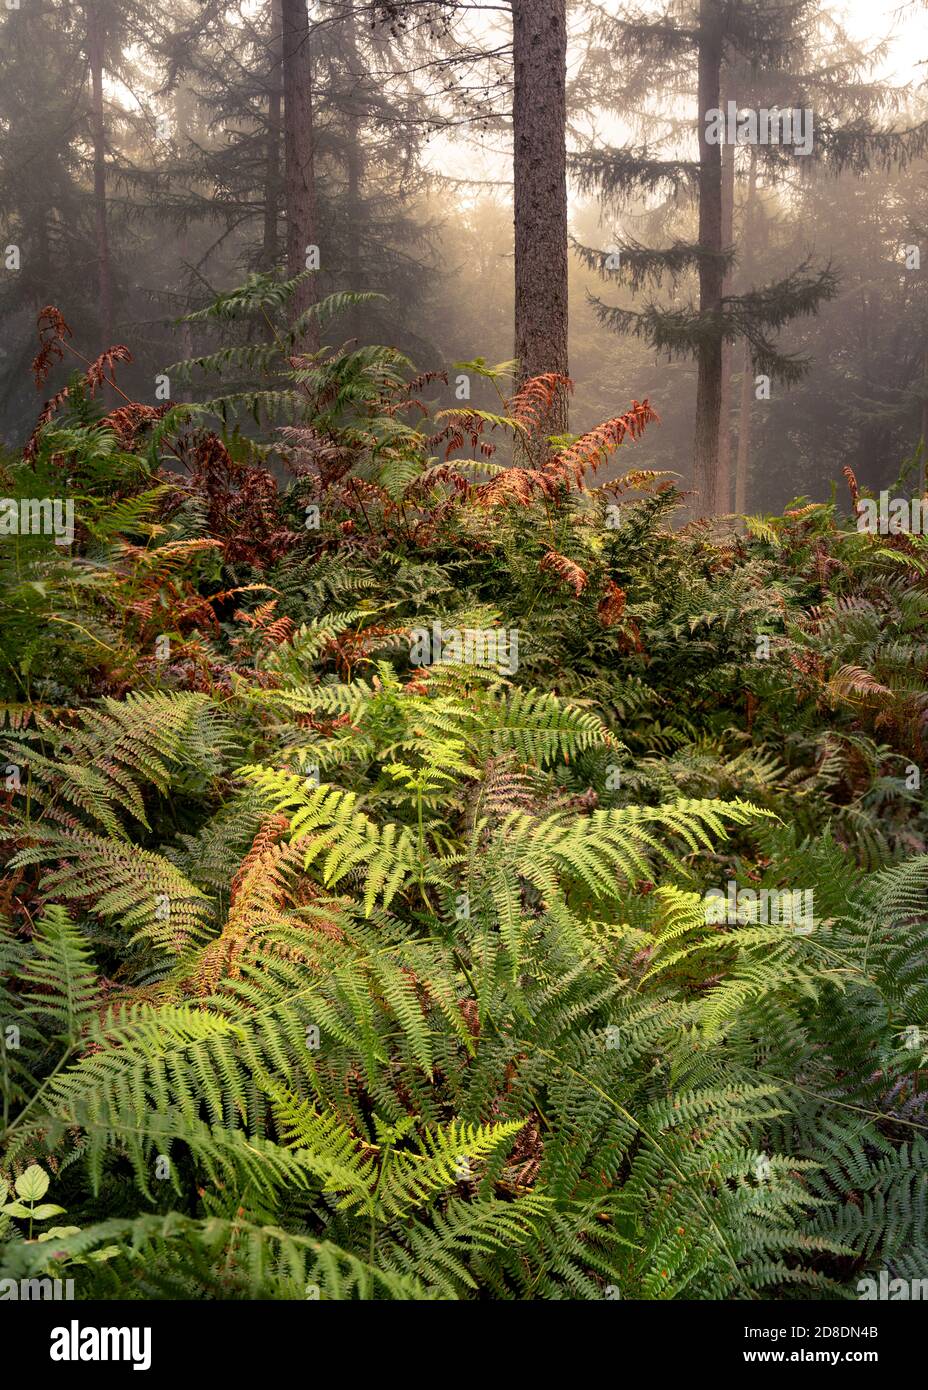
{"x": 142, "y": 172}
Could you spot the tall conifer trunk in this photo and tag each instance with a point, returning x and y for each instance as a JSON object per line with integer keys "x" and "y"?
{"x": 95, "y": 48}
{"x": 723, "y": 484}
{"x": 743, "y": 460}
{"x": 272, "y": 151}
{"x": 300, "y": 182}
{"x": 354, "y": 174}
{"x": 539, "y": 118}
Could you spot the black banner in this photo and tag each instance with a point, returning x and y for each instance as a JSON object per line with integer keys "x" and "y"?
{"x": 64, "y": 1339}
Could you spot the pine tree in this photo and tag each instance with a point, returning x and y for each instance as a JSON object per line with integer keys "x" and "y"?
{"x": 837, "y": 79}
{"x": 698, "y": 44}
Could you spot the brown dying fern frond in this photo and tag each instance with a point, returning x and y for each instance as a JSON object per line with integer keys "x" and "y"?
{"x": 566, "y": 570}
{"x": 593, "y": 448}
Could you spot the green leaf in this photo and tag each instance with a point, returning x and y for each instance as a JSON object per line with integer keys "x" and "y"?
{"x": 46, "y": 1210}
{"x": 32, "y": 1184}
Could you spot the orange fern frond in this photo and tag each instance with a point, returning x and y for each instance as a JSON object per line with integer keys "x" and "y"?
{"x": 170, "y": 556}
{"x": 261, "y": 618}
{"x": 854, "y": 680}
{"x": 53, "y": 330}
{"x": 852, "y": 483}
{"x": 594, "y": 447}
{"x": 534, "y": 399}
{"x": 129, "y": 419}
{"x": 103, "y": 368}
{"x": 797, "y": 513}
{"x": 566, "y": 570}
{"x": 517, "y": 485}
{"x": 267, "y": 837}
{"x": 635, "y": 478}
{"x": 611, "y": 605}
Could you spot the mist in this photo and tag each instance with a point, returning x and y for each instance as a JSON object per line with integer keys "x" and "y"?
{"x": 176, "y": 158}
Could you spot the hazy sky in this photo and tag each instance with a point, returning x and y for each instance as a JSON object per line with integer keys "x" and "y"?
{"x": 907, "y": 24}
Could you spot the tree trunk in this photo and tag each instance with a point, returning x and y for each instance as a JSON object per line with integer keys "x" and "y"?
{"x": 354, "y": 173}
{"x": 355, "y": 214}
{"x": 539, "y": 117}
{"x": 709, "y": 375}
{"x": 272, "y": 155}
{"x": 95, "y": 42}
{"x": 723, "y": 489}
{"x": 743, "y": 461}
{"x": 300, "y": 183}
{"x": 185, "y": 330}
{"x": 744, "y": 433}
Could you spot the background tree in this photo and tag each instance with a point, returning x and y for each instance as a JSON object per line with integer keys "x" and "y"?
{"x": 684, "y": 44}
{"x": 299, "y": 154}
{"x": 96, "y": 16}
{"x": 539, "y": 121}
